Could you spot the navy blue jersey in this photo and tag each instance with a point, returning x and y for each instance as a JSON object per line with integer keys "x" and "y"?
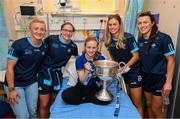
{"x": 58, "y": 53}
{"x": 155, "y": 60}
{"x": 125, "y": 54}
{"x": 80, "y": 61}
{"x": 28, "y": 57}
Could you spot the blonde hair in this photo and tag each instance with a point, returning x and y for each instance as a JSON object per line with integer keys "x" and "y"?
{"x": 121, "y": 38}
{"x": 88, "y": 39}
{"x": 36, "y": 20}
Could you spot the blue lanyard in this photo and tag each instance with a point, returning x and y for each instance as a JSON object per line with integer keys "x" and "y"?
{"x": 117, "y": 107}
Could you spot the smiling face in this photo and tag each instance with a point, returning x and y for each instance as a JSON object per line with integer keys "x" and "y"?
{"x": 67, "y": 32}
{"x": 145, "y": 25}
{"x": 114, "y": 27}
{"x": 37, "y": 31}
{"x": 91, "y": 48}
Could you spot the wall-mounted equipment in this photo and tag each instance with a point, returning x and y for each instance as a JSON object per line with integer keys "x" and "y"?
{"x": 62, "y": 2}
{"x": 27, "y": 10}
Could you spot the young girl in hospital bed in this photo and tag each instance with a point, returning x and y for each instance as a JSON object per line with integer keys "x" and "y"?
{"x": 86, "y": 88}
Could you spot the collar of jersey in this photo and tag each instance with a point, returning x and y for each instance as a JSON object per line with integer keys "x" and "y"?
{"x": 29, "y": 40}
{"x": 62, "y": 40}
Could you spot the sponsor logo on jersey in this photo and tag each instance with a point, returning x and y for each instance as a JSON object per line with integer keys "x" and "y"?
{"x": 133, "y": 83}
{"x": 54, "y": 45}
{"x": 43, "y": 53}
{"x": 73, "y": 45}
{"x": 63, "y": 45}
{"x": 36, "y": 50}
{"x": 153, "y": 45}
{"x": 141, "y": 44}
{"x": 69, "y": 50}
{"x": 40, "y": 88}
{"x": 28, "y": 52}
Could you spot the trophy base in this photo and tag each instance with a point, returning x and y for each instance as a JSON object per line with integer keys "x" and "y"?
{"x": 104, "y": 95}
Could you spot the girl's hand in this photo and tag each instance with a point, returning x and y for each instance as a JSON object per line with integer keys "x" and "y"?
{"x": 87, "y": 66}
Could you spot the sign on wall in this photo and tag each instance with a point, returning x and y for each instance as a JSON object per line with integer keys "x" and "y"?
{"x": 97, "y": 6}
{"x": 80, "y": 6}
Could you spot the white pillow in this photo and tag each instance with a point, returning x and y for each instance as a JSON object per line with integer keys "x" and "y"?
{"x": 2, "y": 76}
{"x": 70, "y": 72}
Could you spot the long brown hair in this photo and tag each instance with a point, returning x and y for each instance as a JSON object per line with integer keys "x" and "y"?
{"x": 121, "y": 38}
{"x": 153, "y": 31}
{"x": 88, "y": 39}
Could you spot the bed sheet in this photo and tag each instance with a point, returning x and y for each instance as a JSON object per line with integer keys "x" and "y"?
{"x": 62, "y": 110}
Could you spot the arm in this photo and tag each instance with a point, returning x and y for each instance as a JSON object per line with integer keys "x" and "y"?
{"x": 132, "y": 61}
{"x": 10, "y": 80}
{"x": 170, "y": 72}
{"x": 134, "y": 58}
{"x": 83, "y": 74}
{"x": 167, "y": 48}
{"x": 132, "y": 46}
{"x": 10, "y": 72}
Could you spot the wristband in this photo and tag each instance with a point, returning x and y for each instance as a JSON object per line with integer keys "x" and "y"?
{"x": 127, "y": 68}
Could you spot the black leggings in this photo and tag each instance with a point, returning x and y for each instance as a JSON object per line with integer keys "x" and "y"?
{"x": 82, "y": 94}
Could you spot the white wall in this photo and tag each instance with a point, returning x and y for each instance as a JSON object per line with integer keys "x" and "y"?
{"x": 16, "y": 27}
{"x": 16, "y": 31}
{"x": 168, "y": 9}
{"x": 169, "y": 15}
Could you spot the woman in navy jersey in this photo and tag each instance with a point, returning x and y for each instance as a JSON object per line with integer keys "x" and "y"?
{"x": 60, "y": 49}
{"x": 157, "y": 58}
{"x": 122, "y": 47}
{"x": 23, "y": 60}
{"x": 86, "y": 88}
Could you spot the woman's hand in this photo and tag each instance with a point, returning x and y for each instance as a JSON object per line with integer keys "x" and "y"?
{"x": 120, "y": 69}
{"x": 123, "y": 69}
{"x": 170, "y": 72}
{"x": 166, "y": 88}
{"x": 13, "y": 97}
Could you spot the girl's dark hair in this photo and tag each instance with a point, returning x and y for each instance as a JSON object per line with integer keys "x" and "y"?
{"x": 153, "y": 31}
{"x": 68, "y": 23}
{"x": 88, "y": 39}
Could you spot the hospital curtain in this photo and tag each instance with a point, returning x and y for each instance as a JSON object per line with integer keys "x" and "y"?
{"x": 133, "y": 7}
{"x": 3, "y": 37}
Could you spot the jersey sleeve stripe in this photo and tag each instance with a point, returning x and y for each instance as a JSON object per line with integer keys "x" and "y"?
{"x": 11, "y": 51}
{"x": 57, "y": 87}
{"x": 170, "y": 47}
{"x": 11, "y": 57}
{"x": 47, "y": 82}
{"x": 134, "y": 50}
{"x": 169, "y": 53}
{"x": 135, "y": 45}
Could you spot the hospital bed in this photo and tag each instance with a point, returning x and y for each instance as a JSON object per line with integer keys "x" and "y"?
{"x": 88, "y": 110}
{"x": 60, "y": 109}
